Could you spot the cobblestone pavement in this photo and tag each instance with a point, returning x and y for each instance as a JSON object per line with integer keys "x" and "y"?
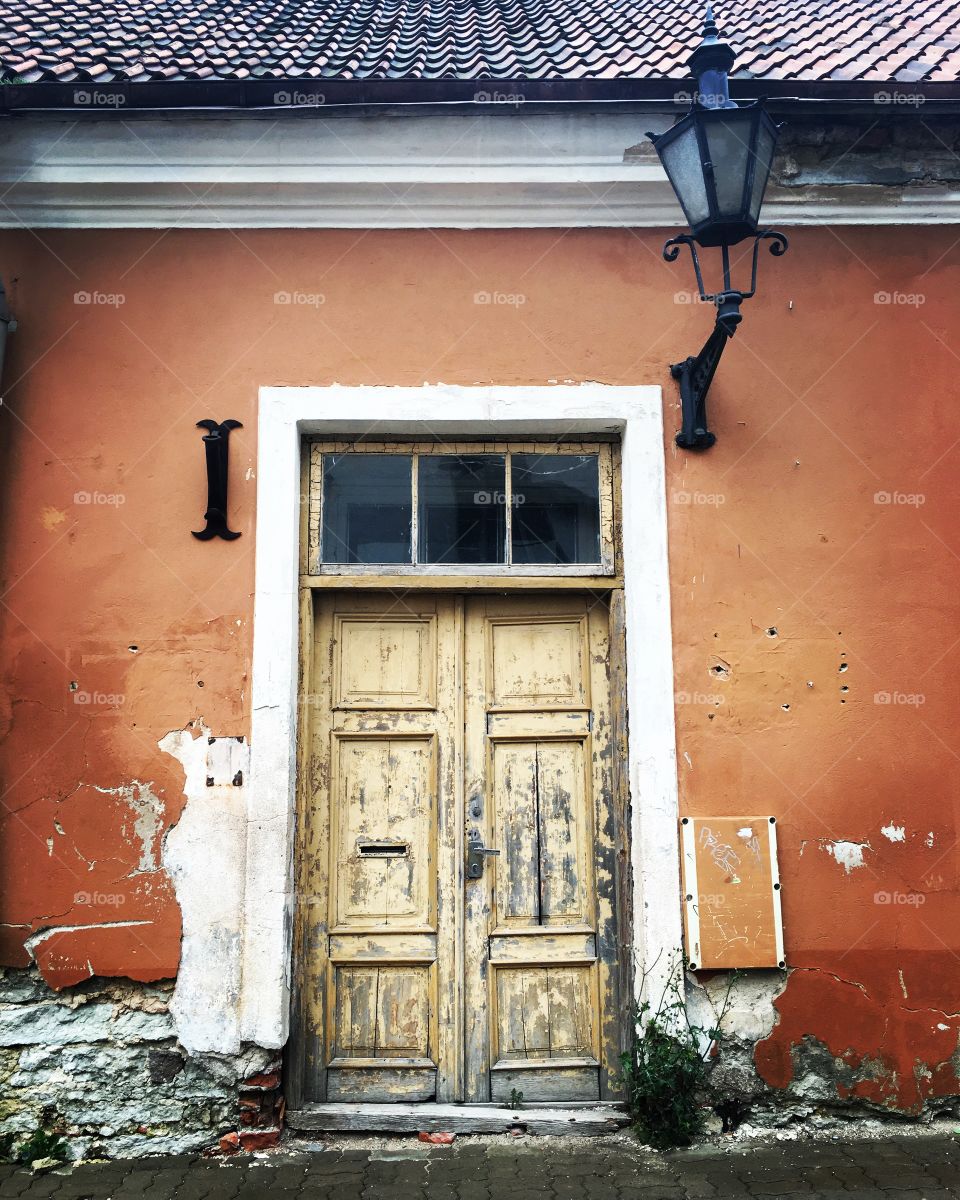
{"x": 613, "y": 1168}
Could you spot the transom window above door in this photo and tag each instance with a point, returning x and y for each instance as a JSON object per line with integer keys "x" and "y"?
{"x": 464, "y": 508}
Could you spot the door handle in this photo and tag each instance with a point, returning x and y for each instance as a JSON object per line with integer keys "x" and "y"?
{"x": 476, "y": 853}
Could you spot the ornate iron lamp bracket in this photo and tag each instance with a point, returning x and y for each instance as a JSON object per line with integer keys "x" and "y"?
{"x": 778, "y": 246}
{"x": 216, "y": 443}
{"x": 695, "y": 374}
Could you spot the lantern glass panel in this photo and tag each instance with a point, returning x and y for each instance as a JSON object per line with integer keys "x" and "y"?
{"x": 728, "y": 140}
{"x": 681, "y": 161}
{"x": 766, "y": 142}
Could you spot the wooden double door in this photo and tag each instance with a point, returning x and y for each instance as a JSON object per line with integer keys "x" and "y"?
{"x": 442, "y": 727}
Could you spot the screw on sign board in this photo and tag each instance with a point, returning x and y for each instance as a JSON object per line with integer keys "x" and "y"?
{"x": 731, "y": 892}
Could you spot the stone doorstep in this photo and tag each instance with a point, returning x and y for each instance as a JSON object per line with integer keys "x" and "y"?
{"x": 582, "y": 1120}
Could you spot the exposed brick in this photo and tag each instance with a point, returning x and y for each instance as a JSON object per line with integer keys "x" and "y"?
{"x": 268, "y": 1080}
{"x": 260, "y": 1139}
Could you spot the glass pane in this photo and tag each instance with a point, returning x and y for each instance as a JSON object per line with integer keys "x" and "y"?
{"x": 728, "y": 136}
{"x": 556, "y": 508}
{"x": 765, "y": 148}
{"x": 462, "y": 518}
{"x": 367, "y": 506}
{"x": 681, "y": 161}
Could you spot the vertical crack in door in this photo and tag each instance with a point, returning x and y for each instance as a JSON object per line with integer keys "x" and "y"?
{"x": 539, "y": 833}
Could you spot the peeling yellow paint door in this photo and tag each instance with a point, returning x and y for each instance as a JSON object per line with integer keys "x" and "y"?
{"x": 380, "y": 997}
{"x": 541, "y": 958}
{"x": 434, "y": 720}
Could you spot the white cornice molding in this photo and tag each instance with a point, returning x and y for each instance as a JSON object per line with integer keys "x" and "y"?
{"x": 463, "y": 170}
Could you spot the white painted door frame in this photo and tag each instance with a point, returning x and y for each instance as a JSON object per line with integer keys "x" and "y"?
{"x": 286, "y": 415}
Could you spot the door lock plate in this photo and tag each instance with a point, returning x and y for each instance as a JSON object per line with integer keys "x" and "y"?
{"x": 476, "y": 854}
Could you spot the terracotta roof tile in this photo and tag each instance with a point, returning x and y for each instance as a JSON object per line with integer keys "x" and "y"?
{"x": 105, "y": 40}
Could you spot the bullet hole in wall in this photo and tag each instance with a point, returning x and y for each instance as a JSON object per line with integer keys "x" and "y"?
{"x": 199, "y": 683}
{"x": 133, "y": 649}
{"x": 785, "y": 707}
{"x": 773, "y": 632}
{"x": 74, "y": 686}
{"x": 843, "y": 666}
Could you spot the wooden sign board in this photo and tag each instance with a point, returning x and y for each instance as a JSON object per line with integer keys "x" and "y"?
{"x": 731, "y": 889}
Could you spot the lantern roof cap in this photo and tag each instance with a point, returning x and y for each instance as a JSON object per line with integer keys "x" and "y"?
{"x": 712, "y": 54}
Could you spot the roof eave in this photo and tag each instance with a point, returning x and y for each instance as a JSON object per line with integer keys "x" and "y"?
{"x": 306, "y": 96}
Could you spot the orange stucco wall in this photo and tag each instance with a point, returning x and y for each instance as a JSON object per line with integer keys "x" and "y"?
{"x": 797, "y": 596}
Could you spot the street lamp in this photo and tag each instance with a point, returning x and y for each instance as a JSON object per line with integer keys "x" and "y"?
{"x": 717, "y": 159}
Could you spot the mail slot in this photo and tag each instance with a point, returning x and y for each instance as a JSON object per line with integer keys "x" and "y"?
{"x": 383, "y": 849}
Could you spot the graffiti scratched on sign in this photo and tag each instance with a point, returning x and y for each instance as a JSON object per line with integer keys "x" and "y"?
{"x": 731, "y": 892}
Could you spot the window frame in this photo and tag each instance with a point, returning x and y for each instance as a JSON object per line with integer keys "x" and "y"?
{"x": 607, "y": 451}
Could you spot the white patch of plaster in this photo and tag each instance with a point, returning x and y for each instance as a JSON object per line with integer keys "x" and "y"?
{"x": 750, "y": 1013}
{"x": 148, "y": 817}
{"x": 903, "y": 985}
{"x": 205, "y": 856}
{"x": 689, "y": 760}
{"x": 746, "y": 833}
{"x": 894, "y": 833}
{"x": 146, "y": 825}
{"x": 848, "y": 854}
{"x": 928, "y": 840}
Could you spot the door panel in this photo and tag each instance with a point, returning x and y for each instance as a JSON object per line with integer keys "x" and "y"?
{"x": 385, "y": 661}
{"x": 537, "y": 663}
{"x": 382, "y": 1012}
{"x": 382, "y": 831}
{"x": 383, "y": 794}
{"x": 538, "y": 794}
{"x": 436, "y": 720}
{"x": 538, "y": 987}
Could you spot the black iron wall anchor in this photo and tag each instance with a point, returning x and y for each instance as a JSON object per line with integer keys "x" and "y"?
{"x": 695, "y": 374}
{"x": 217, "y": 443}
